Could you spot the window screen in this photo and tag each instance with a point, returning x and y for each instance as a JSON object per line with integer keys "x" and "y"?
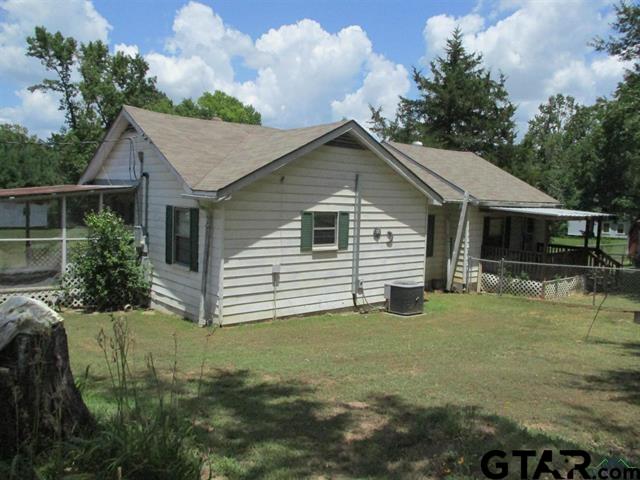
{"x": 182, "y": 229}
{"x": 324, "y": 228}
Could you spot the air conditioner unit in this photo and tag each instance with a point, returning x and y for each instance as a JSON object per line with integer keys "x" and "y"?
{"x": 404, "y": 298}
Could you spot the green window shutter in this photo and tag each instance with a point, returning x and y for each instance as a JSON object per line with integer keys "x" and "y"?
{"x": 194, "y": 237}
{"x": 431, "y": 229}
{"x": 343, "y": 230}
{"x": 306, "y": 232}
{"x": 169, "y": 235}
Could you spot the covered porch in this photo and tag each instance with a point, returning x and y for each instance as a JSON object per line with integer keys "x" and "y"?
{"x": 39, "y": 227}
{"x": 522, "y": 234}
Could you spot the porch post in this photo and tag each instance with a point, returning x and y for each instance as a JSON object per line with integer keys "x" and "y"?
{"x": 599, "y": 234}
{"x": 546, "y": 241}
{"x": 64, "y": 233}
{"x": 204, "y": 311}
{"x": 587, "y": 229}
{"x": 27, "y": 232}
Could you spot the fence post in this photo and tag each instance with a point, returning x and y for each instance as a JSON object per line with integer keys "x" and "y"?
{"x": 64, "y": 234}
{"x": 595, "y": 287}
{"x": 544, "y": 287}
{"x": 479, "y": 278}
{"x": 501, "y": 281}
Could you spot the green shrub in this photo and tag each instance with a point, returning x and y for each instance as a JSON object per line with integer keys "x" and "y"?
{"x": 108, "y": 268}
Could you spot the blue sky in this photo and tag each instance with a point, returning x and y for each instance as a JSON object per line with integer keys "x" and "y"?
{"x": 301, "y": 62}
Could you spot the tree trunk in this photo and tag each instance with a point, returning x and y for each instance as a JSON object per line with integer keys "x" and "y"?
{"x": 38, "y": 397}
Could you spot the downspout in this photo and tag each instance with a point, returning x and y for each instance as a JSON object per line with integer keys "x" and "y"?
{"x": 145, "y": 175}
{"x": 355, "y": 263}
{"x": 203, "y": 319}
{"x": 426, "y": 243}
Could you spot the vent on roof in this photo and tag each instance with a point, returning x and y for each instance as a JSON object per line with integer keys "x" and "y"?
{"x": 346, "y": 141}
{"x": 417, "y": 142}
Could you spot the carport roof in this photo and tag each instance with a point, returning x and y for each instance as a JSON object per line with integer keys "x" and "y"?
{"x": 58, "y": 190}
{"x": 552, "y": 213}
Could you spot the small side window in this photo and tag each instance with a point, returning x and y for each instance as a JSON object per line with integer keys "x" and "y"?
{"x": 182, "y": 236}
{"x": 325, "y": 229}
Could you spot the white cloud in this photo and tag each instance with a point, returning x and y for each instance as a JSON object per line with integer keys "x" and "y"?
{"x": 75, "y": 18}
{"x": 37, "y": 110}
{"x": 127, "y": 50}
{"x": 382, "y": 85}
{"x": 542, "y": 48}
{"x": 302, "y": 73}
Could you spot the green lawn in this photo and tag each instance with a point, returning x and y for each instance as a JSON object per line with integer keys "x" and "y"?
{"x": 380, "y": 396}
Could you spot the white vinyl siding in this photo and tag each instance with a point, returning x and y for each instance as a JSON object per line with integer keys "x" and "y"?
{"x": 174, "y": 287}
{"x": 262, "y": 228}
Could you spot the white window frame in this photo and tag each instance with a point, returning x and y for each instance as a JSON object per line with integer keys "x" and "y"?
{"x": 324, "y": 246}
{"x": 186, "y": 211}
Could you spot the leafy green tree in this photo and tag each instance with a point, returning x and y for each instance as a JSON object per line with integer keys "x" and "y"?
{"x": 625, "y": 44}
{"x": 106, "y": 81}
{"x": 26, "y": 161}
{"x": 220, "y": 105}
{"x": 543, "y": 155}
{"x": 110, "y": 81}
{"x": 460, "y": 106}
{"x": 58, "y": 55}
{"x": 615, "y": 186}
{"x": 94, "y": 85}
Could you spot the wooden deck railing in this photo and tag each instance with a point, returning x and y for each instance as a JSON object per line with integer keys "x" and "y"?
{"x": 556, "y": 254}
{"x": 497, "y": 253}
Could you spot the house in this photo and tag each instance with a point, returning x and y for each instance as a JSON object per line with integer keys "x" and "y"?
{"x": 611, "y": 228}
{"x": 244, "y": 222}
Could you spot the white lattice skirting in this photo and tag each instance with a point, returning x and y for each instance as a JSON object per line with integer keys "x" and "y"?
{"x": 53, "y": 295}
{"x": 562, "y": 287}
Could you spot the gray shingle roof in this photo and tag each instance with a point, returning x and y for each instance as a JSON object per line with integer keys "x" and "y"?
{"x": 211, "y": 154}
{"x": 483, "y": 180}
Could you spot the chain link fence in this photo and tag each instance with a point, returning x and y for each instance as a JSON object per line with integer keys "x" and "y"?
{"x": 614, "y": 288}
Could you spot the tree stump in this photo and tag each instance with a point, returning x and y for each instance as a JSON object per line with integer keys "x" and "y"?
{"x": 39, "y": 400}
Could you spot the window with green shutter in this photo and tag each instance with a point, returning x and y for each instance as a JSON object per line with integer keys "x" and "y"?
{"x": 343, "y": 231}
{"x": 182, "y": 236}
{"x": 168, "y": 241}
{"x": 306, "y": 232}
{"x": 324, "y": 231}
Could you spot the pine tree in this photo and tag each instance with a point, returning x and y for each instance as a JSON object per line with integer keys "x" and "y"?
{"x": 460, "y": 106}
